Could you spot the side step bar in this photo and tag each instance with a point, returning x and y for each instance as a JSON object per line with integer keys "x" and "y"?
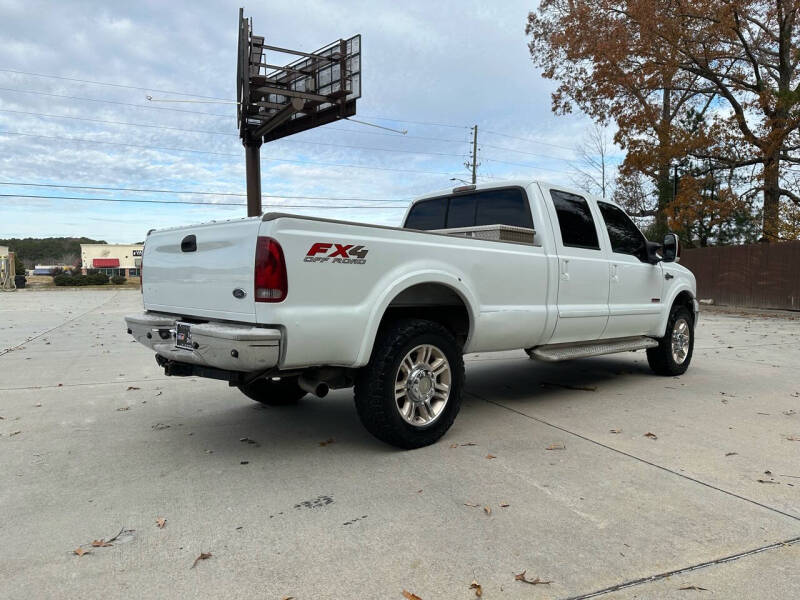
{"x": 570, "y": 350}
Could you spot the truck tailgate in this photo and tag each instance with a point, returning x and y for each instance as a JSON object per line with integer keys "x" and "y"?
{"x": 194, "y": 270}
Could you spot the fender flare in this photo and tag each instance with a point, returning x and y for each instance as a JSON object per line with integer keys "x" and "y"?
{"x": 455, "y": 283}
{"x": 683, "y": 287}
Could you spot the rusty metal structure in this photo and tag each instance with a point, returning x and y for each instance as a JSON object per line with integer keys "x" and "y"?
{"x": 756, "y": 275}
{"x": 275, "y": 101}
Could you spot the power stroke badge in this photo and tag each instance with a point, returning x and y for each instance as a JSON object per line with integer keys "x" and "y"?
{"x": 344, "y": 254}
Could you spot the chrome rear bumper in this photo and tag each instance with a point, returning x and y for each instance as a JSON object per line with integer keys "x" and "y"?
{"x": 228, "y": 346}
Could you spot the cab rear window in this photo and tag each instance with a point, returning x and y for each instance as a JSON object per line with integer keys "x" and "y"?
{"x": 491, "y": 207}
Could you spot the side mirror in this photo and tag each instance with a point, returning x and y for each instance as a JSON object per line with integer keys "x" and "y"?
{"x": 671, "y": 247}
{"x": 652, "y": 252}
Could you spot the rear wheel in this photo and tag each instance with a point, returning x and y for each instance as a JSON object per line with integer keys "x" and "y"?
{"x": 409, "y": 393}
{"x": 674, "y": 351}
{"x": 274, "y": 392}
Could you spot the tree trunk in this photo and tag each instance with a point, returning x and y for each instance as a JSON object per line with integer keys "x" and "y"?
{"x": 663, "y": 183}
{"x": 770, "y": 229}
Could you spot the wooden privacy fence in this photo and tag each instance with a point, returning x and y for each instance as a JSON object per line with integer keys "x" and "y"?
{"x": 756, "y": 275}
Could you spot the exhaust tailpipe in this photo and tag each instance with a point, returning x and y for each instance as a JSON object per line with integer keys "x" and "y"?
{"x": 313, "y": 386}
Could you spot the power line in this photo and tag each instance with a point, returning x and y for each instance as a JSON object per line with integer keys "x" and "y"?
{"x": 209, "y": 152}
{"x": 188, "y": 192}
{"x": 524, "y": 139}
{"x": 416, "y": 122}
{"x": 116, "y": 85}
{"x": 528, "y": 165}
{"x": 145, "y": 106}
{"x": 183, "y": 130}
{"x": 193, "y": 203}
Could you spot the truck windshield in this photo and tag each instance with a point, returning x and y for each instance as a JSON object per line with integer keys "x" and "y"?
{"x": 507, "y": 206}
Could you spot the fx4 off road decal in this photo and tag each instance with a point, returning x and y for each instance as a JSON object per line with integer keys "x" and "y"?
{"x": 345, "y": 254}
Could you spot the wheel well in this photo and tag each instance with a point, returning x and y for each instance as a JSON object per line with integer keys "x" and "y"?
{"x": 684, "y": 299}
{"x": 434, "y": 302}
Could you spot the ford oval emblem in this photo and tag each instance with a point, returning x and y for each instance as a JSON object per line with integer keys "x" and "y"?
{"x": 239, "y": 293}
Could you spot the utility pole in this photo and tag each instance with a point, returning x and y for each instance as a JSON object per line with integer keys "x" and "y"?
{"x": 252, "y": 165}
{"x": 474, "y": 152}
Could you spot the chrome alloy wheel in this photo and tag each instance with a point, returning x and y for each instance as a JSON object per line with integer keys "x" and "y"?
{"x": 681, "y": 337}
{"x": 422, "y": 385}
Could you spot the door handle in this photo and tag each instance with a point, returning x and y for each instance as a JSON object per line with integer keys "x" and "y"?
{"x": 564, "y": 270}
{"x": 614, "y": 275}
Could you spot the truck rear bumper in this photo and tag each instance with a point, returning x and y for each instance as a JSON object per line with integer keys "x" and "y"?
{"x": 227, "y": 346}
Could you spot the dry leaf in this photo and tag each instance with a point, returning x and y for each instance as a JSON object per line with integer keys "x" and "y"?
{"x": 693, "y": 587}
{"x": 557, "y": 446}
{"x": 471, "y": 504}
{"x": 477, "y": 587}
{"x": 731, "y": 453}
{"x": 130, "y": 387}
{"x": 161, "y": 521}
{"x": 793, "y": 438}
{"x": 469, "y": 444}
{"x": 409, "y": 596}
{"x": 419, "y": 491}
{"x": 101, "y": 543}
{"x": 504, "y": 505}
{"x": 14, "y": 433}
{"x": 615, "y": 430}
{"x": 454, "y": 445}
{"x": 487, "y": 510}
{"x": 80, "y": 551}
{"x": 288, "y": 598}
{"x": 203, "y": 556}
{"x": 490, "y": 456}
{"x": 121, "y": 408}
{"x": 535, "y": 581}
{"x": 651, "y": 435}
{"x": 766, "y": 481}
{"x": 326, "y": 442}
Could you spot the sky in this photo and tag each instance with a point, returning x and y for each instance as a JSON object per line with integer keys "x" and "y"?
{"x": 433, "y": 69}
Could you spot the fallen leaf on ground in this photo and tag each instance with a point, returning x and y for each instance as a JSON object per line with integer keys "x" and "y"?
{"x": 471, "y": 504}
{"x": 504, "y": 505}
{"x": 535, "y": 581}
{"x": 247, "y": 440}
{"x": 419, "y": 491}
{"x": 693, "y": 587}
{"x": 793, "y": 438}
{"x": 490, "y": 456}
{"x": 766, "y": 481}
{"x": 615, "y": 430}
{"x": 244, "y": 462}
{"x": 487, "y": 510}
{"x": 203, "y": 556}
{"x": 731, "y": 453}
{"x": 288, "y": 598}
{"x": 161, "y": 521}
{"x": 326, "y": 442}
{"x": 160, "y": 426}
{"x": 557, "y": 446}
{"x": 158, "y": 394}
{"x": 80, "y": 551}
{"x": 454, "y": 445}
{"x": 101, "y": 543}
{"x": 409, "y": 596}
{"x": 651, "y": 435}
{"x": 469, "y": 444}
{"x": 14, "y": 433}
{"x": 131, "y": 387}
{"x": 477, "y": 587}
{"x": 121, "y": 408}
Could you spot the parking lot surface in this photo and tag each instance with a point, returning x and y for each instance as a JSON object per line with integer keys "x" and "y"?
{"x": 594, "y": 476}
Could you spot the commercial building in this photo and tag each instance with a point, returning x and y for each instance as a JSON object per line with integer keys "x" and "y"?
{"x": 112, "y": 259}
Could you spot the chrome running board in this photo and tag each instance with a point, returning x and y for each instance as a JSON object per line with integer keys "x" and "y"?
{"x": 570, "y": 350}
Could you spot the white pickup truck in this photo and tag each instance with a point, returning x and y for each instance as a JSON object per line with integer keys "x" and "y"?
{"x": 284, "y": 305}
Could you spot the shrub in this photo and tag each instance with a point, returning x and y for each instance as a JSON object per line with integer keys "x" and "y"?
{"x": 80, "y": 280}
{"x": 118, "y": 280}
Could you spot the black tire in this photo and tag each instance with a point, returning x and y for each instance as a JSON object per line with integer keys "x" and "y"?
{"x": 272, "y": 392}
{"x": 375, "y": 383}
{"x": 661, "y": 358}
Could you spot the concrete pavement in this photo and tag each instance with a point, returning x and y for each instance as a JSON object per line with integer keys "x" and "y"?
{"x": 106, "y": 443}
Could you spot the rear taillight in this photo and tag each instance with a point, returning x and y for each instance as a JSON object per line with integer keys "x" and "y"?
{"x": 270, "y": 281}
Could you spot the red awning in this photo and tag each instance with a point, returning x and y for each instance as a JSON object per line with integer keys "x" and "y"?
{"x": 105, "y": 262}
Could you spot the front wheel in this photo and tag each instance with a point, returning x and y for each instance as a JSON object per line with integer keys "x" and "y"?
{"x": 273, "y": 392}
{"x": 409, "y": 393}
{"x": 674, "y": 351}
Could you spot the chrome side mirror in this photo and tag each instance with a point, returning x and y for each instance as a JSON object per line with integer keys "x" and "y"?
{"x": 671, "y": 247}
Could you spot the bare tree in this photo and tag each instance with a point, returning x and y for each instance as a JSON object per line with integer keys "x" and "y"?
{"x": 593, "y": 173}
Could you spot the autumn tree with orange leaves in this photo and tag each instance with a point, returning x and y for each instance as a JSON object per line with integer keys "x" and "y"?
{"x": 713, "y": 83}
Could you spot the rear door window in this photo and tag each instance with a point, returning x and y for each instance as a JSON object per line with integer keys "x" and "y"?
{"x": 428, "y": 214}
{"x": 575, "y": 221}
